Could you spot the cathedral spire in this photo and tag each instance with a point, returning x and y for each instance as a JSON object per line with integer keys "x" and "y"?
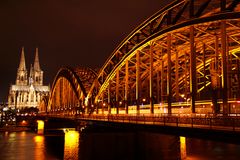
{"x": 36, "y": 65}
{"x": 22, "y": 71}
{"x": 22, "y": 65}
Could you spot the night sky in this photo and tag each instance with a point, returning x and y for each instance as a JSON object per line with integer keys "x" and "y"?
{"x": 67, "y": 32}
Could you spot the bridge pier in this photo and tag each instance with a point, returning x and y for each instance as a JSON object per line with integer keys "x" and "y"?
{"x": 40, "y": 126}
{"x": 56, "y": 125}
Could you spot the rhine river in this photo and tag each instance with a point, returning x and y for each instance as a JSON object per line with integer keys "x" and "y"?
{"x": 112, "y": 146}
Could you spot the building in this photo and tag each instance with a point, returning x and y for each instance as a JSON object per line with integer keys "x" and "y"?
{"x": 29, "y": 89}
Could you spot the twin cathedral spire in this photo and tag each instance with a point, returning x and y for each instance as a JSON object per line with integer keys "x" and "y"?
{"x": 36, "y": 74}
{"x": 29, "y": 89}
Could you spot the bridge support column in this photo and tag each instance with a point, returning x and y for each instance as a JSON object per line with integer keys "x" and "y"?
{"x": 40, "y": 127}
{"x": 117, "y": 91}
{"x": 204, "y": 64}
{"x": 193, "y": 80}
{"x": 186, "y": 86}
{"x": 126, "y": 87}
{"x": 215, "y": 78}
{"x": 224, "y": 69}
{"x": 176, "y": 77}
{"x": 151, "y": 80}
{"x": 169, "y": 76}
{"x": 229, "y": 66}
{"x": 97, "y": 106}
{"x": 137, "y": 81}
{"x": 109, "y": 97}
{"x": 238, "y": 78}
{"x": 103, "y": 103}
{"x": 162, "y": 81}
{"x": 158, "y": 88}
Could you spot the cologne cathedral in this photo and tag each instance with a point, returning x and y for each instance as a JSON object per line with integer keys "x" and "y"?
{"x": 29, "y": 89}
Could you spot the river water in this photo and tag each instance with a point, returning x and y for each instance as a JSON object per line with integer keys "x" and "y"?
{"x": 112, "y": 146}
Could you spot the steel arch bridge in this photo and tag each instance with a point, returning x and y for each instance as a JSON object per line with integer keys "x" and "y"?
{"x": 70, "y": 88}
{"x": 185, "y": 58}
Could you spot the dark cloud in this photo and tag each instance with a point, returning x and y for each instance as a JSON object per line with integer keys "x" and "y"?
{"x": 67, "y": 32}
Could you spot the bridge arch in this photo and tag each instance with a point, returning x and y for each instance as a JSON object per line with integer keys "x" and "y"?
{"x": 69, "y": 90}
{"x": 187, "y": 53}
{"x": 43, "y": 104}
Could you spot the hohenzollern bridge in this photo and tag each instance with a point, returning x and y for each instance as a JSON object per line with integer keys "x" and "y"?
{"x": 185, "y": 59}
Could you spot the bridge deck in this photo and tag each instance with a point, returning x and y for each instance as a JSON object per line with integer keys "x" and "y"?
{"x": 229, "y": 123}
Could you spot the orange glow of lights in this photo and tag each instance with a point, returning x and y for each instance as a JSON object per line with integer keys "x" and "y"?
{"x": 38, "y": 139}
{"x": 144, "y": 99}
{"x": 71, "y": 145}
{"x": 24, "y": 122}
{"x": 39, "y": 143}
{"x": 183, "y": 147}
{"x": 40, "y": 127}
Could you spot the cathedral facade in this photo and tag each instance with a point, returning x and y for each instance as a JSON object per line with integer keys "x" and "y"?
{"x": 28, "y": 90}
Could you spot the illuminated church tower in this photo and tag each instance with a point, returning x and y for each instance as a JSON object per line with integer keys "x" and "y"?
{"x": 22, "y": 78}
{"x": 36, "y": 74}
{"x": 28, "y": 90}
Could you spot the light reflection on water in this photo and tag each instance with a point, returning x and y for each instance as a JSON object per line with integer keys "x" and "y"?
{"x": 183, "y": 151}
{"x": 30, "y": 146}
{"x": 71, "y": 143}
{"x": 39, "y": 147}
{"x": 111, "y": 146}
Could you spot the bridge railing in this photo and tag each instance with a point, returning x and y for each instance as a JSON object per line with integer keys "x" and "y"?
{"x": 208, "y": 122}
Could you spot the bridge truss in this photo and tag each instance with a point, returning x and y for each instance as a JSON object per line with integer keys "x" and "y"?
{"x": 186, "y": 56}
{"x": 69, "y": 90}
